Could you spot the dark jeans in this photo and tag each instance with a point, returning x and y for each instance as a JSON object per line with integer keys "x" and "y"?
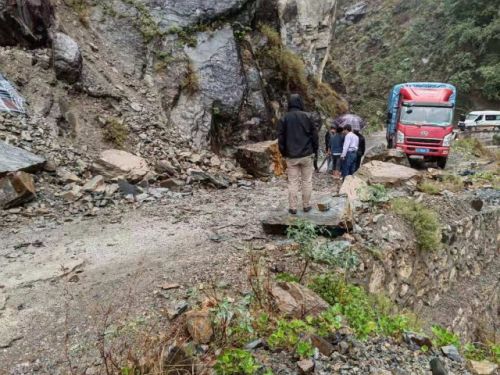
{"x": 349, "y": 164}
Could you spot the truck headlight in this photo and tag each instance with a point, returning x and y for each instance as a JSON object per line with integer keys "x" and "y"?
{"x": 400, "y": 137}
{"x": 447, "y": 140}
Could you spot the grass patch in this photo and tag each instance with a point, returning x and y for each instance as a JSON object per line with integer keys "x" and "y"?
{"x": 82, "y": 8}
{"x": 472, "y": 147}
{"x": 425, "y": 223}
{"x": 447, "y": 182}
{"x": 366, "y": 314}
{"x": 144, "y": 21}
{"x": 115, "y": 132}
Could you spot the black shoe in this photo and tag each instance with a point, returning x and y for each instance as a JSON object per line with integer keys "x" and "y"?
{"x": 292, "y": 212}
{"x": 307, "y": 209}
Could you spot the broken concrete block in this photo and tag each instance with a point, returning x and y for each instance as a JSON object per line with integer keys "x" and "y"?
{"x": 15, "y": 189}
{"x": 261, "y": 159}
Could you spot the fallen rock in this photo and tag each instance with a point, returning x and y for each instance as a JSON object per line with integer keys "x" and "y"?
{"x": 356, "y": 12}
{"x": 322, "y": 345}
{"x": 13, "y": 159}
{"x": 72, "y": 195}
{"x": 297, "y": 301}
{"x": 164, "y": 166}
{"x": 451, "y": 352}
{"x": 414, "y": 339}
{"x": 199, "y": 326}
{"x": 117, "y": 163}
{"x": 15, "y": 189}
{"x": 25, "y": 22}
{"x": 333, "y": 220}
{"x": 324, "y": 204}
{"x": 95, "y": 185}
{"x": 437, "y": 367}
{"x": 176, "y": 309}
{"x": 66, "y": 176}
{"x": 378, "y": 172}
{"x": 306, "y": 366}
{"x": 218, "y": 181}
{"x": 355, "y": 188}
{"x": 483, "y": 367}
{"x": 261, "y": 159}
{"x": 67, "y": 58}
{"x": 255, "y": 344}
{"x": 172, "y": 184}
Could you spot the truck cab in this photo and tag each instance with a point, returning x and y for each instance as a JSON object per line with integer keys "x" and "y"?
{"x": 420, "y": 120}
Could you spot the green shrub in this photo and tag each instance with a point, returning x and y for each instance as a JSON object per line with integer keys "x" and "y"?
{"x": 429, "y": 187}
{"x": 236, "y": 362}
{"x": 471, "y": 146}
{"x": 425, "y": 223}
{"x": 365, "y": 314}
{"x": 273, "y": 36}
{"x": 443, "y": 337}
{"x": 284, "y": 276}
{"x": 375, "y": 194}
{"x": 190, "y": 83}
{"x": 115, "y": 132}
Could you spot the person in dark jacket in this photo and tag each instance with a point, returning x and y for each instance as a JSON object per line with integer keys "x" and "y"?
{"x": 361, "y": 148}
{"x": 336, "y": 148}
{"x": 298, "y": 143}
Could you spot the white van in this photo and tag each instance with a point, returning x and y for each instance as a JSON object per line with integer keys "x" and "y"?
{"x": 482, "y": 120}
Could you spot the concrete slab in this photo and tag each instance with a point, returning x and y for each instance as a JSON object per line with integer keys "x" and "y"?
{"x": 335, "y": 221}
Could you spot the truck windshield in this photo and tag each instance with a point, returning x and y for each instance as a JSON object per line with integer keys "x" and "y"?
{"x": 439, "y": 116}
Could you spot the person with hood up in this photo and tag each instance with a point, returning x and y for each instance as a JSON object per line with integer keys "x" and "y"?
{"x": 298, "y": 143}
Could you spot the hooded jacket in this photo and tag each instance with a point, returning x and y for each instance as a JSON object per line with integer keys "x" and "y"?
{"x": 297, "y": 134}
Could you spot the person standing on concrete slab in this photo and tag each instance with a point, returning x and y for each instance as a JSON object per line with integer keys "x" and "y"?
{"x": 349, "y": 152}
{"x": 298, "y": 143}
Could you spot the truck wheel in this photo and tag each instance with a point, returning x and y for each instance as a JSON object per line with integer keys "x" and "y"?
{"x": 441, "y": 162}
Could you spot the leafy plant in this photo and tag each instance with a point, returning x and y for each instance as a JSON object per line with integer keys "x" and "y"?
{"x": 443, "y": 337}
{"x": 237, "y": 362}
{"x": 303, "y": 232}
{"x": 288, "y": 333}
{"x": 304, "y": 349}
{"x": 425, "y": 223}
{"x": 284, "y": 276}
{"x": 375, "y": 194}
{"x": 365, "y": 314}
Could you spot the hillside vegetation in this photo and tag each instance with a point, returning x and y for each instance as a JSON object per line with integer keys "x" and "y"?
{"x": 456, "y": 41}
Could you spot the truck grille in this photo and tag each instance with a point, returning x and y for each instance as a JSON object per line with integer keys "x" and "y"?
{"x": 431, "y": 141}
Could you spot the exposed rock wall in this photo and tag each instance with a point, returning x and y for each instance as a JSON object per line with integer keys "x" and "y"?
{"x": 456, "y": 285}
{"x": 306, "y": 27}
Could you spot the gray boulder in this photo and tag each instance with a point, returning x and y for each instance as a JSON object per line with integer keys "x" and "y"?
{"x": 14, "y": 159}
{"x": 221, "y": 88}
{"x": 25, "y": 23}
{"x": 67, "y": 58}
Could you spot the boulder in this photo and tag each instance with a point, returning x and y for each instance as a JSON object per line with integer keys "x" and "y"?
{"x": 381, "y": 153}
{"x": 117, "y": 163}
{"x": 322, "y": 345}
{"x": 67, "y": 58}
{"x": 333, "y": 221}
{"x": 297, "y": 301}
{"x": 15, "y": 189}
{"x": 172, "y": 184}
{"x": 451, "y": 352}
{"x": 306, "y": 366}
{"x": 95, "y": 185}
{"x": 355, "y": 189}
{"x": 378, "y": 172}
{"x": 483, "y": 367}
{"x": 356, "y": 12}
{"x": 261, "y": 159}
{"x": 14, "y": 159}
{"x": 215, "y": 180}
{"x": 25, "y": 23}
{"x": 199, "y": 326}
{"x": 66, "y": 176}
{"x": 220, "y": 89}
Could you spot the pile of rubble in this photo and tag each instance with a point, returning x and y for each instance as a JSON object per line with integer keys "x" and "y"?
{"x": 39, "y": 177}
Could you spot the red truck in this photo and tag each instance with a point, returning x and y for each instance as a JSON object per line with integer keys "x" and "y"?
{"x": 420, "y": 120}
